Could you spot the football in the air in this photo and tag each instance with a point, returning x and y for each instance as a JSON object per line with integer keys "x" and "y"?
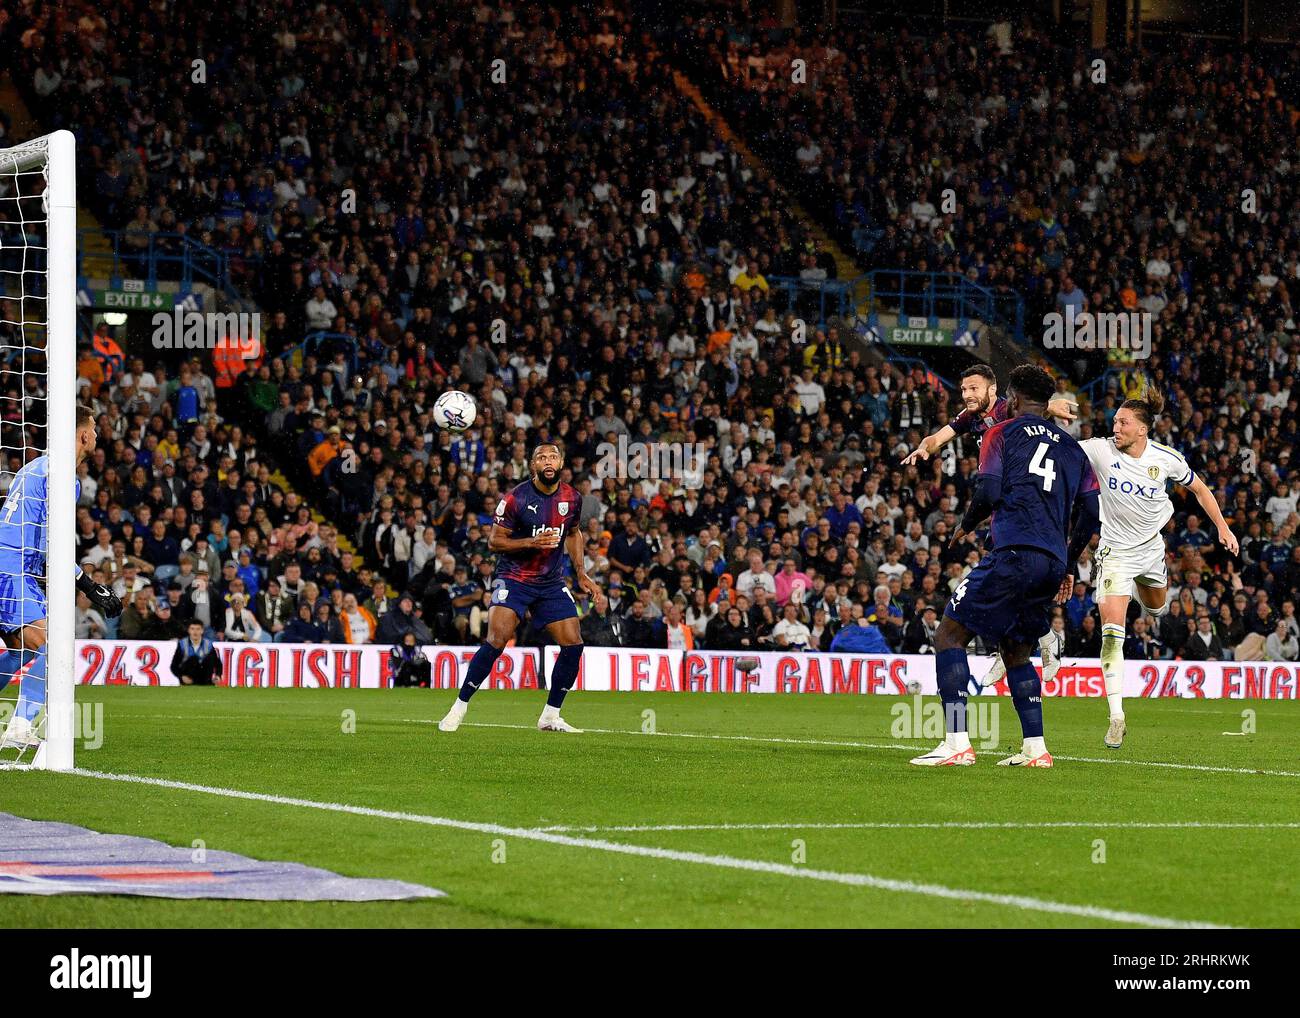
{"x": 455, "y": 410}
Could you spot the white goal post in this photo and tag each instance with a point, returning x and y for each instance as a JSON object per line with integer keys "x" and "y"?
{"x": 38, "y": 278}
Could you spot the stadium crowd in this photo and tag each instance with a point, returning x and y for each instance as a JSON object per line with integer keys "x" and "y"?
{"x": 568, "y": 239}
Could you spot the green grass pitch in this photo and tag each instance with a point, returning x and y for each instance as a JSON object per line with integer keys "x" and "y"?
{"x": 765, "y": 793}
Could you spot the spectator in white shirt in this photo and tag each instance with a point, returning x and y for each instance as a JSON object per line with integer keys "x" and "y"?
{"x": 1279, "y": 507}
{"x": 811, "y": 394}
{"x": 1276, "y": 395}
{"x": 90, "y": 625}
{"x": 681, "y": 345}
{"x": 790, "y": 632}
{"x": 1157, "y": 267}
{"x": 101, "y": 551}
{"x": 755, "y": 576}
{"x": 923, "y": 211}
{"x": 809, "y": 154}
{"x": 242, "y": 625}
{"x": 321, "y": 311}
{"x": 744, "y": 345}
{"x": 768, "y": 325}
{"x": 423, "y": 550}
{"x": 795, "y": 506}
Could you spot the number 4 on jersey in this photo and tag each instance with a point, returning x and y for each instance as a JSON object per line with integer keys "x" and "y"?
{"x": 1043, "y": 466}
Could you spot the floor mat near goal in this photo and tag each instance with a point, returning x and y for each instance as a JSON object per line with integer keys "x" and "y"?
{"x": 43, "y": 857}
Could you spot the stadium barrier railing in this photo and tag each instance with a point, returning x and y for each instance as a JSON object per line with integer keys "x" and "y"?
{"x": 162, "y": 257}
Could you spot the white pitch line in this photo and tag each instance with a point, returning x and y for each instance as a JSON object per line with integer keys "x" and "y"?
{"x": 1179, "y": 766}
{"x": 935, "y": 825}
{"x": 1017, "y": 901}
{"x": 908, "y": 747}
{"x": 692, "y": 735}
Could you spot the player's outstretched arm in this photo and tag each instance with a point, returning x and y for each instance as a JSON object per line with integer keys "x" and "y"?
{"x": 576, "y": 547}
{"x": 930, "y": 445}
{"x": 1210, "y": 504}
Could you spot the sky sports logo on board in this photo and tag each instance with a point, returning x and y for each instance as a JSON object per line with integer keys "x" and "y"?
{"x": 77, "y": 971}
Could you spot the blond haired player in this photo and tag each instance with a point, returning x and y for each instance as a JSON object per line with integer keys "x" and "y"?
{"x": 1134, "y": 473}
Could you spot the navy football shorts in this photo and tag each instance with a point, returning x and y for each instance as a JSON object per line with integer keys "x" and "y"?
{"x": 549, "y": 602}
{"x": 1009, "y": 595}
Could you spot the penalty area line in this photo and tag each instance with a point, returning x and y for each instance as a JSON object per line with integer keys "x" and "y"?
{"x": 908, "y": 747}
{"x": 937, "y": 825}
{"x": 695, "y": 735}
{"x": 1015, "y": 901}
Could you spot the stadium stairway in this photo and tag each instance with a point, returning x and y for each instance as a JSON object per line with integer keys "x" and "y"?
{"x": 1004, "y": 351}
{"x": 345, "y": 543}
{"x": 846, "y": 267}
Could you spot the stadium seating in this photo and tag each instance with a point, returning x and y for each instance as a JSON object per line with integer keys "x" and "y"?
{"x": 389, "y": 238}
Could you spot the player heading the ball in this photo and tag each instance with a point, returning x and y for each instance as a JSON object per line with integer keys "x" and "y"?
{"x": 1032, "y": 476}
{"x": 982, "y": 409}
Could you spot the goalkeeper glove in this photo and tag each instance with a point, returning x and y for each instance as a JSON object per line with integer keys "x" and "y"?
{"x": 100, "y": 596}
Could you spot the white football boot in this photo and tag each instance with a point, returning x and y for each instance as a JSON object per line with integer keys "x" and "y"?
{"x": 996, "y": 673}
{"x": 1033, "y": 753}
{"x": 454, "y": 716}
{"x": 952, "y": 752}
{"x": 550, "y": 721}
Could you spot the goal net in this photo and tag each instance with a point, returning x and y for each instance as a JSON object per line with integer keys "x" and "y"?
{"x": 38, "y": 294}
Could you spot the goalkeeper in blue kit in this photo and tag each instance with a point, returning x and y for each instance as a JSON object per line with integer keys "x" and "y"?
{"x": 24, "y": 545}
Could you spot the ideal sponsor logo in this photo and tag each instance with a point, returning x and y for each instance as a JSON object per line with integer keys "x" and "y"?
{"x": 75, "y": 971}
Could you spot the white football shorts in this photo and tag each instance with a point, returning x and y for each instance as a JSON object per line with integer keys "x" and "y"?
{"x": 1119, "y": 568}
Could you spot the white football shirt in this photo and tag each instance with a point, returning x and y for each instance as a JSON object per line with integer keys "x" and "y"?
{"x": 1135, "y": 502}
